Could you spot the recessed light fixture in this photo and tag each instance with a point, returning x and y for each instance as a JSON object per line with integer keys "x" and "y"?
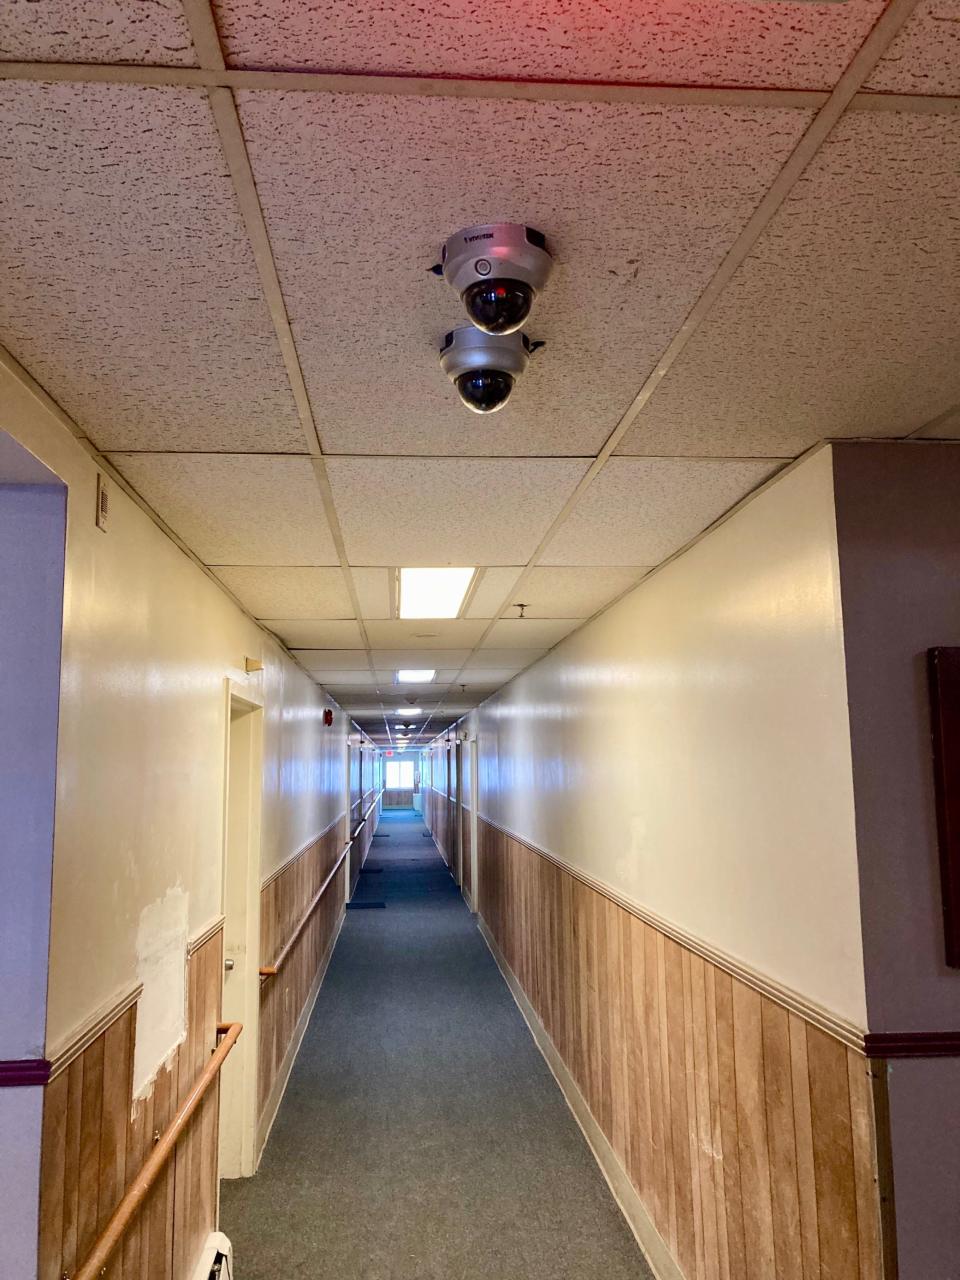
{"x": 415, "y": 676}
{"x": 433, "y": 593}
{"x": 408, "y": 711}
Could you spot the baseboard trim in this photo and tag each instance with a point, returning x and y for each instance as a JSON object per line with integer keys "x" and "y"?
{"x": 652, "y": 1245}
{"x": 275, "y": 1097}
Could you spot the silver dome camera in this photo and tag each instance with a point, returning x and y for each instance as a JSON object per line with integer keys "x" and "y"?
{"x": 484, "y": 366}
{"x": 497, "y": 269}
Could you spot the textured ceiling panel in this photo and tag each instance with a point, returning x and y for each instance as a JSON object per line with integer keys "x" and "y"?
{"x": 288, "y": 593}
{"x": 492, "y": 590}
{"x": 236, "y": 509}
{"x": 342, "y": 179}
{"x": 352, "y": 660}
{"x": 500, "y": 660}
{"x": 448, "y": 511}
{"x": 574, "y": 593}
{"x": 529, "y": 633}
{"x": 682, "y": 42}
{"x": 419, "y": 692}
{"x": 373, "y": 590}
{"x": 424, "y": 634}
{"x": 129, "y": 288}
{"x": 483, "y": 683}
{"x": 925, "y": 56}
{"x": 844, "y": 320}
{"x": 151, "y": 31}
{"x": 315, "y": 635}
{"x": 393, "y": 659}
{"x": 444, "y": 675}
{"x": 640, "y": 510}
{"x": 944, "y": 427}
{"x": 344, "y": 681}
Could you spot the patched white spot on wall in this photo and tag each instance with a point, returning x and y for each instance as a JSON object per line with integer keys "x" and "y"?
{"x": 161, "y": 967}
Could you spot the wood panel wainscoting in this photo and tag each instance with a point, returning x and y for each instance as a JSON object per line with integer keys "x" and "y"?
{"x": 466, "y": 864}
{"x": 287, "y": 997}
{"x": 744, "y": 1141}
{"x": 441, "y": 821}
{"x": 96, "y": 1139}
{"x": 396, "y": 799}
{"x": 362, "y": 829}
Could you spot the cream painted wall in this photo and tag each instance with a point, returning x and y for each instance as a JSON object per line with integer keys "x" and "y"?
{"x": 148, "y": 643}
{"x": 690, "y": 747}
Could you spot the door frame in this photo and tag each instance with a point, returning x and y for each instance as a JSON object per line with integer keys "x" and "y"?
{"x": 240, "y": 897}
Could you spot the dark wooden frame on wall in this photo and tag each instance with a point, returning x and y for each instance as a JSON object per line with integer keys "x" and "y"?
{"x": 943, "y": 668}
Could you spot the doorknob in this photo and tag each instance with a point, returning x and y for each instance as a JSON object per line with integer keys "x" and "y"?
{"x": 229, "y": 965}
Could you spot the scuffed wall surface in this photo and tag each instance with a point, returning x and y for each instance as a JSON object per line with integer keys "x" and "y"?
{"x": 149, "y": 642}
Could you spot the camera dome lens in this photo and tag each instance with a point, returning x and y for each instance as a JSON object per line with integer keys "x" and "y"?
{"x": 485, "y": 390}
{"x": 498, "y": 306}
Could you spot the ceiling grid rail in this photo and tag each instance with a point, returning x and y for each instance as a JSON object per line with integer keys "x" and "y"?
{"x": 221, "y": 82}
{"x": 206, "y": 40}
{"x": 859, "y": 69}
{"x": 355, "y": 82}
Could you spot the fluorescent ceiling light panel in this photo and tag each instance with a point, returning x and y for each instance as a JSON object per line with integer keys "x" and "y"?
{"x": 433, "y": 593}
{"x": 415, "y": 677}
{"x": 408, "y": 711}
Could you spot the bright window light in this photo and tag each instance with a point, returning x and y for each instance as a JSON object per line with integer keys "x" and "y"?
{"x": 409, "y": 711}
{"x": 433, "y": 593}
{"x": 400, "y": 775}
{"x": 415, "y": 677}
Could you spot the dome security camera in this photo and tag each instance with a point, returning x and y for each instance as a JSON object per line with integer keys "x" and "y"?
{"x": 484, "y": 366}
{"x": 497, "y": 269}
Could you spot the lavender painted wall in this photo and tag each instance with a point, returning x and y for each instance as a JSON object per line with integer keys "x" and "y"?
{"x": 32, "y": 529}
{"x": 898, "y": 530}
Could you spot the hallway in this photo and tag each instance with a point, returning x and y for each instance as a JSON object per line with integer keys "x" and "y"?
{"x": 422, "y": 1135}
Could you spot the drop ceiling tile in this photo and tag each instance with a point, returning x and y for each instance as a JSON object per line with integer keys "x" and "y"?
{"x": 335, "y": 660}
{"x": 424, "y": 634}
{"x": 686, "y": 42}
{"x": 448, "y": 511}
{"x": 946, "y": 426}
{"x": 347, "y": 682}
{"x": 129, "y": 287}
{"x": 925, "y": 57}
{"x": 574, "y": 593}
{"x": 493, "y": 588}
{"x": 640, "y": 510}
{"x": 513, "y": 660}
{"x": 387, "y": 678}
{"x": 486, "y": 680}
{"x": 844, "y": 320}
{"x": 315, "y": 634}
{"x": 529, "y": 633}
{"x": 96, "y": 31}
{"x": 392, "y": 659}
{"x": 373, "y": 589}
{"x": 236, "y": 508}
{"x": 418, "y": 692}
{"x": 278, "y": 592}
{"x": 338, "y": 173}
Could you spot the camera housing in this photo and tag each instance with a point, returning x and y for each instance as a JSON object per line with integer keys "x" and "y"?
{"x": 497, "y": 268}
{"x": 484, "y": 366}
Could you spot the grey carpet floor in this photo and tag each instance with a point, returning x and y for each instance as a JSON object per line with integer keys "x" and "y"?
{"x": 422, "y": 1136}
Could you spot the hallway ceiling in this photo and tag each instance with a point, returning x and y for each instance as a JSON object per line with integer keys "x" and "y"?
{"x": 215, "y": 229}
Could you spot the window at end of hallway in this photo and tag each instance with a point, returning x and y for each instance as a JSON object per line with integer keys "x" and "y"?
{"x": 399, "y": 775}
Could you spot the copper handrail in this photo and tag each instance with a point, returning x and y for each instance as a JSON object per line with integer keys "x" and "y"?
{"x": 270, "y": 970}
{"x": 138, "y": 1190}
